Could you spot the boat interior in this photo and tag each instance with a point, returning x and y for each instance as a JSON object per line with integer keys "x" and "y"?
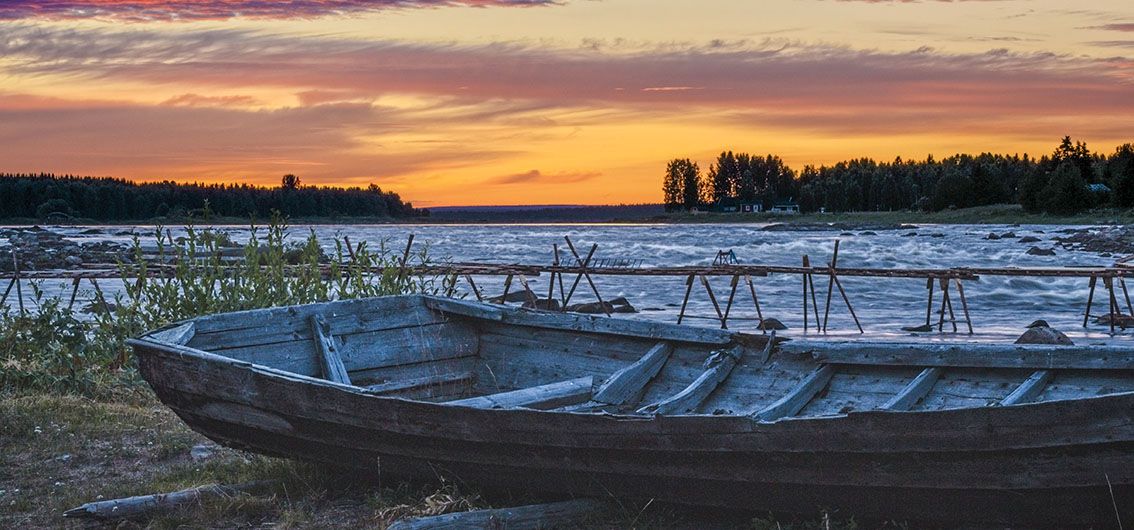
{"x": 490, "y": 356}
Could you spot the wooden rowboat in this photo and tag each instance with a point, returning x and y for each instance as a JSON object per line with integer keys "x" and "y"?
{"x": 503, "y": 397}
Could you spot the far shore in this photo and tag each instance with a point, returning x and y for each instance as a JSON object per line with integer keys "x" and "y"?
{"x": 998, "y": 214}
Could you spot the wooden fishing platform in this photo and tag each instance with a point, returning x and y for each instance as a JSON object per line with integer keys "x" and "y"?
{"x": 584, "y": 267}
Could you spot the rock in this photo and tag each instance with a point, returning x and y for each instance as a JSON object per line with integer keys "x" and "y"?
{"x": 1036, "y": 251}
{"x": 653, "y": 309}
{"x": 547, "y": 304}
{"x": 1029, "y": 239}
{"x": 846, "y": 234}
{"x": 513, "y": 296}
{"x": 591, "y": 308}
{"x": 91, "y": 232}
{"x": 1008, "y": 235}
{"x": 1044, "y": 335}
{"x": 937, "y": 235}
{"x": 621, "y": 300}
{"x": 909, "y": 234}
{"x": 627, "y": 308}
{"x": 924, "y": 328}
{"x": 992, "y": 236}
{"x": 73, "y": 261}
{"x": 869, "y": 233}
{"x": 1119, "y": 319}
{"x": 1038, "y": 324}
{"x": 770, "y": 324}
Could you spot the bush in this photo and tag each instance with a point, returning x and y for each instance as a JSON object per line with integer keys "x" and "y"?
{"x": 54, "y": 349}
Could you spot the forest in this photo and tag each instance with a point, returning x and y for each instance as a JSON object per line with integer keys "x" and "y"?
{"x": 45, "y": 196}
{"x": 1064, "y": 182}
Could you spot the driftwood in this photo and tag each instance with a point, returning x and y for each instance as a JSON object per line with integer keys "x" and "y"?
{"x": 144, "y": 505}
{"x": 550, "y": 515}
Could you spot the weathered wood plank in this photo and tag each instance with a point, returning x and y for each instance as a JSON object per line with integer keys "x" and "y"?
{"x": 1029, "y": 389}
{"x": 329, "y": 360}
{"x": 917, "y": 389}
{"x": 967, "y": 355}
{"x": 718, "y": 367}
{"x": 532, "y": 517}
{"x": 795, "y": 400}
{"x": 537, "y": 397}
{"x": 144, "y": 505}
{"x": 627, "y": 384}
{"x": 393, "y": 388}
{"x": 584, "y": 323}
{"x": 179, "y": 335}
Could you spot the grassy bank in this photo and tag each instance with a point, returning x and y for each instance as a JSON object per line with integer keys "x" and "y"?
{"x": 995, "y": 214}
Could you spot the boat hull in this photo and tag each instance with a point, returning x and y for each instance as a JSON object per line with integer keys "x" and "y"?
{"x": 1054, "y": 463}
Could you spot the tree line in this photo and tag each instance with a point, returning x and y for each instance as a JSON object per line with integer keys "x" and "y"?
{"x": 1056, "y": 183}
{"x": 112, "y": 199}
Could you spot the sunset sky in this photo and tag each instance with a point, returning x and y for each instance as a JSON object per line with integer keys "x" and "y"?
{"x": 545, "y": 102}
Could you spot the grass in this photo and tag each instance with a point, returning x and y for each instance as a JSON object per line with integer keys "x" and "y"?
{"x": 994, "y": 214}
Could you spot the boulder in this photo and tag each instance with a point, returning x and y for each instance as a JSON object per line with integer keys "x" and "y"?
{"x": 909, "y": 234}
{"x": 770, "y": 324}
{"x": 547, "y": 304}
{"x": 1119, "y": 319}
{"x": 1037, "y": 251}
{"x": 1044, "y": 335}
{"x": 1008, "y": 235}
{"x": 992, "y": 236}
{"x": 513, "y": 296}
{"x": 869, "y": 233}
{"x": 591, "y": 308}
{"x": 1039, "y": 324}
{"x": 1029, "y": 239}
{"x": 924, "y": 328}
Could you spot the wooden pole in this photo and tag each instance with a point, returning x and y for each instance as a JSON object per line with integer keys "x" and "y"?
{"x": 587, "y": 275}
{"x": 562, "y": 291}
{"x": 805, "y": 296}
{"x": 475, "y": 291}
{"x": 929, "y": 306}
{"x": 1126, "y": 294}
{"x": 405, "y": 259}
{"x": 11, "y": 284}
{"x": 964, "y": 303}
{"x": 731, "y": 296}
{"x": 16, "y": 278}
{"x": 1090, "y": 298}
{"x": 713, "y": 299}
{"x": 551, "y": 280}
{"x": 811, "y": 283}
{"x": 944, "y": 300}
{"x": 507, "y": 286}
{"x": 1109, "y": 283}
{"x": 830, "y": 284}
{"x": 101, "y": 298}
{"x": 531, "y": 294}
{"x": 756, "y": 300}
{"x": 847, "y": 301}
{"x": 949, "y": 303}
{"x": 685, "y": 301}
{"x": 582, "y": 266}
{"x": 75, "y": 292}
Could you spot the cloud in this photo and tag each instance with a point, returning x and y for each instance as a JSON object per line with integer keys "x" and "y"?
{"x": 536, "y": 176}
{"x": 197, "y": 100}
{"x": 1125, "y": 26}
{"x": 192, "y": 10}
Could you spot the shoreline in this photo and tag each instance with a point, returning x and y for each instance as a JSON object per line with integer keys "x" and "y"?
{"x": 999, "y": 214}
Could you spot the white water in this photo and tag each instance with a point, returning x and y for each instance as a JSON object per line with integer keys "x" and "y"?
{"x": 1000, "y": 306}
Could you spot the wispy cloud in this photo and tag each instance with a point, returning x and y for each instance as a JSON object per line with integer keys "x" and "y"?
{"x": 536, "y": 176}
{"x": 190, "y": 10}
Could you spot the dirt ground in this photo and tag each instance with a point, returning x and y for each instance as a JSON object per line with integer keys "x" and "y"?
{"x": 58, "y": 452}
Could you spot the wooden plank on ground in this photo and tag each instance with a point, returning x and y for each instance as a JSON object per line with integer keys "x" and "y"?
{"x": 1030, "y": 388}
{"x": 547, "y": 396}
{"x": 917, "y": 389}
{"x": 971, "y": 355}
{"x": 795, "y": 400}
{"x": 532, "y": 517}
{"x": 719, "y": 366}
{"x": 331, "y": 362}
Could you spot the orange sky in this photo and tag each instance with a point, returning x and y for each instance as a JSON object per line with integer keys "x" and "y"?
{"x": 538, "y": 102}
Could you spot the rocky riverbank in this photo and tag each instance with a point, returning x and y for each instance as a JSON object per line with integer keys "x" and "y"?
{"x": 38, "y": 248}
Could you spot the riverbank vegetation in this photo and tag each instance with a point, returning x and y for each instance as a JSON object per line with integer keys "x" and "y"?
{"x": 99, "y": 199}
{"x": 1070, "y": 180}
